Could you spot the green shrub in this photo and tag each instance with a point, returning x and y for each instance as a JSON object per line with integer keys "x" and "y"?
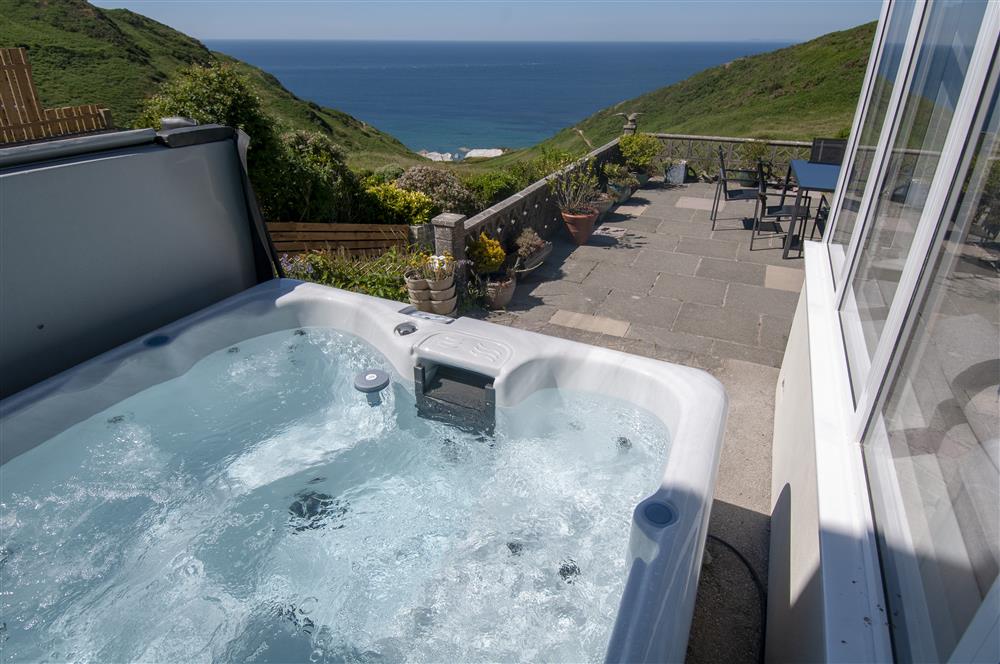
{"x": 221, "y": 95}
{"x": 640, "y": 151}
{"x": 388, "y": 204}
{"x": 619, "y": 176}
{"x": 487, "y": 255}
{"x": 545, "y": 164}
{"x": 446, "y": 190}
{"x": 751, "y": 152}
{"x": 492, "y": 187}
{"x": 313, "y": 180}
{"x": 381, "y": 276}
{"x": 574, "y": 191}
{"x": 387, "y": 173}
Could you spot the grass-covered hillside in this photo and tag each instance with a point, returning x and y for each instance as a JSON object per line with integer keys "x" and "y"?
{"x": 81, "y": 54}
{"x": 116, "y": 58}
{"x": 795, "y": 93}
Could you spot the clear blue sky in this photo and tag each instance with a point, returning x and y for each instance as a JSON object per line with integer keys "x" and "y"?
{"x": 509, "y": 20}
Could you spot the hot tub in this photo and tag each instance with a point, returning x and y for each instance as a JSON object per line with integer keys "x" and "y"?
{"x": 180, "y": 498}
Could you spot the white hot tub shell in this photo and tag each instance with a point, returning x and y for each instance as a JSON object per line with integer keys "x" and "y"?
{"x": 669, "y": 527}
{"x": 155, "y": 256}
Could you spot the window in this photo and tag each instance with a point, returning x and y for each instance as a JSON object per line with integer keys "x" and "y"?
{"x": 933, "y": 457}
{"x": 942, "y": 60}
{"x": 878, "y": 102}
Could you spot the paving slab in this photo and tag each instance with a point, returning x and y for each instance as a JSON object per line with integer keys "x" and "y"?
{"x": 665, "y": 338}
{"x": 649, "y": 310}
{"x": 690, "y": 289}
{"x": 689, "y": 228}
{"x": 708, "y": 248}
{"x": 589, "y": 323}
{"x": 619, "y": 253}
{"x": 774, "y": 332}
{"x": 730, "y": 270}
{"x": 756, "y": 354}
{"x": 696, "y": 203}
{"x": 717, "y": 322}
{"x": 757, "y": 299}
{"x": 621, "y": 278}
{"x": 666, "y": 261}
{"x": 784, "y": 278}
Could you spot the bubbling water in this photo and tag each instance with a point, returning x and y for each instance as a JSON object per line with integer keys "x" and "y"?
{"x": 257, "y": 508}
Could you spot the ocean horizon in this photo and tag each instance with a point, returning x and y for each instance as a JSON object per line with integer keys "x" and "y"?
{"x": 453, "y": 96}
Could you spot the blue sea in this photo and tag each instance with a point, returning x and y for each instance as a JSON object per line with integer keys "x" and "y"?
{"x": 445, "y": 96}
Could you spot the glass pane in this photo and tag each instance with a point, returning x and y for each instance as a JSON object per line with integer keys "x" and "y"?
{"x": 933, "y": 458}
{"x": 871, "y": 127}
{"x": 942, "y": 61}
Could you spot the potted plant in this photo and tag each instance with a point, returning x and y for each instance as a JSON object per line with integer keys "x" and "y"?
{"x": 621, "y": 183}
{"x": 574, "y": 192}
{"x": 603, "y": 201}
{"x": 532, "y": 250}
{"x": 431, "y": 284}
{"x": 488, "y": 257}
{"x": 640, "y": 152}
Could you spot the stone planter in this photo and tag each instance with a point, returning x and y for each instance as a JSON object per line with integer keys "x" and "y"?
{"x": 603, "y": 205}
{"x": 643, "y": 178}
{"x": 621, "y": 193}
{"x": 499, "y": 293}
{"x": 444, "y": 307}
{"x": 579, "y": 226}
{"x": 675, "y": 173}
{"x": 432, "y": 296}
{"x": 441, "y": 284}
{"x": 536, "y": 259}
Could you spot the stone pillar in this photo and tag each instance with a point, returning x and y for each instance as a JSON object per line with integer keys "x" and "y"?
{"x": 631, "y": 126}
{"x": 449, "y": 235}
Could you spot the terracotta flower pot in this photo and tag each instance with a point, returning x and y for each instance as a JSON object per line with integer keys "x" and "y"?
{"x": 499, "y": 293}
{"x": 579, "y": 226}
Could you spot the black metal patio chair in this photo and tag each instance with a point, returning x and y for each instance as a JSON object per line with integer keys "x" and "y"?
{"x": 729, "y": 176}
{"x": 819, "y": 221}
{"x": 770, "y": 216}
{"x": 828, "y": 150}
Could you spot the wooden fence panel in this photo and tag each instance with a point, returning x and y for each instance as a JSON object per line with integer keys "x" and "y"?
{"x": 22, "y": 117}
{"x": 355, "y": 239}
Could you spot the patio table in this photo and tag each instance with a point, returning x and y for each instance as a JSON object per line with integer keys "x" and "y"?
{"x": 811, "y": 177}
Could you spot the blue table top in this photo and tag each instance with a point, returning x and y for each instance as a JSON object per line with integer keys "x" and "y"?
{"x": 815, "y": 177}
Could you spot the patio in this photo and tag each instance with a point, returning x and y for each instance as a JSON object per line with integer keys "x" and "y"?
{"x": 656, "y": 280}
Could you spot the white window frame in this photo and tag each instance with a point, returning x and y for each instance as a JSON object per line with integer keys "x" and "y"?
{"x": 847, "y": 418}
{"x": 945, "y": 194}
{"x": 838, "y": 262}
{"x": 951, "y": 153}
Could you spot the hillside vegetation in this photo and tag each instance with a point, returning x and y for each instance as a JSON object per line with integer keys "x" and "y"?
{"x": 116, "y": 58}
{"x": 81, "y": 54}
{"x": 796, "y": 93}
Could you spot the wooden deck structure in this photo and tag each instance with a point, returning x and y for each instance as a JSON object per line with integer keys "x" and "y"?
{"x": 22, "y": 117}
